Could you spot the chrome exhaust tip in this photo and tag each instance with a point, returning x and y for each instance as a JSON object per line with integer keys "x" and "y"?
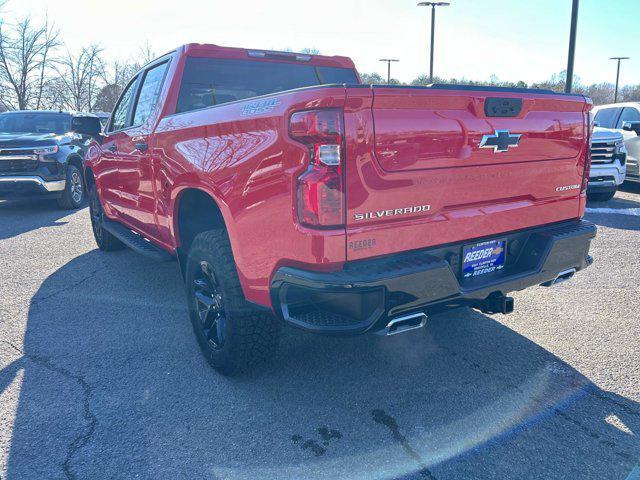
{"x": 561, "y": 277}
{"x": 404, "y": 324}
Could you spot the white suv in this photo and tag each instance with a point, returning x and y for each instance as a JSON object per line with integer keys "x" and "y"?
{"x": 625, "y": 119}
{"x": 608, "y": 164}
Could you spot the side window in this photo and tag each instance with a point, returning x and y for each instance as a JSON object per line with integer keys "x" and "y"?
{"x": 606, "y": 117}
{"x": 629, "y": 114}
{"x": 149, "y": 92}
{"x": 337, "y": 75}
{"x": 119, "y": 118}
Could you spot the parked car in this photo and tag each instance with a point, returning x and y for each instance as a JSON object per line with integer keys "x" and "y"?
{"x": 625, "y": 119}
{"x": 263, "y": 175}
{"x": 41, "y": 155}
{"x": 608, "y": 164}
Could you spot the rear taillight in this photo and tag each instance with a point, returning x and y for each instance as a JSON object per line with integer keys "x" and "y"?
{"x": 587, "y": 154}
{"x": 320, "y": 192}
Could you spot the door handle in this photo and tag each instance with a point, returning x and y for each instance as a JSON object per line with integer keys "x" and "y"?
{"x": 112, "y": 148}
{"x": 142, "y": 146}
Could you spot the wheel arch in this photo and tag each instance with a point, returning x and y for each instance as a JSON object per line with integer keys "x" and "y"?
{"x": 76, "y": 161}
{"x": 195, "y": 210}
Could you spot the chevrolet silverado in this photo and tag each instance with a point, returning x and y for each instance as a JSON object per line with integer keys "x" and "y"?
{"x": 291, "y": 193}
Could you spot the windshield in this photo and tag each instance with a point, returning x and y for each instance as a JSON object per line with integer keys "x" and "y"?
{"x": 29, "y": 122}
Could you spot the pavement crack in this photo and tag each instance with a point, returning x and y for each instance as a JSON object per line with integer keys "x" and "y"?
{"x": 383, "y": 418}
{"x": 591, "y": 389}
{"x": 606, "y": 396}
{"x": 595, "y": 435}
{"x": 87, "y": 393}
{"x": 67, "y": 287}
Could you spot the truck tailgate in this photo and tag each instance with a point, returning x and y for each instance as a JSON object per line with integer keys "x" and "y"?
{"x": 431, "y": 166}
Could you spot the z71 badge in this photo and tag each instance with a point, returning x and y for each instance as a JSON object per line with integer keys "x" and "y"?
{"x": 259, "y": 107}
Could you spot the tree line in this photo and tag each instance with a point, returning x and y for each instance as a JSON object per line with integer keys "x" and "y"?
{"x": 38, "y": 71}
{"x": 600, "y": 93}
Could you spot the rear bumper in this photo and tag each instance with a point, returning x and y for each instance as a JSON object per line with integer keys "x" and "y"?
{"x": 367, "y": 294}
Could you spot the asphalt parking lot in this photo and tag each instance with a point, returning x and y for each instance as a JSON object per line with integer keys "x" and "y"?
{"x": 101, "y": 377}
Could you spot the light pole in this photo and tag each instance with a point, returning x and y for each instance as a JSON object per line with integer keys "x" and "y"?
{"x": 572, "y": 46}
{"x": 615, "y": 95}
{"x": 389, "y": 60}
{"x": 433, "y": 6}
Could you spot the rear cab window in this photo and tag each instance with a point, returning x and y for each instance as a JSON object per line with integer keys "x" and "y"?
{"x": 214, "y": 81}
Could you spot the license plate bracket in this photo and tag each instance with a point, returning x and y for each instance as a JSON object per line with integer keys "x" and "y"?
{"x": 483, "y": 258}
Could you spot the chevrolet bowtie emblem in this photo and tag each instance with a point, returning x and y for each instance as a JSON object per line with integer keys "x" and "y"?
{"x": 500, "y": 141}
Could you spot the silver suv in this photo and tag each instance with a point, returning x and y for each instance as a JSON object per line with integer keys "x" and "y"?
{"x": 624, "y": 118}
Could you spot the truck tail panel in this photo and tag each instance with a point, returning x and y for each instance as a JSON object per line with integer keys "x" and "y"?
{"x": 429, "y": 166}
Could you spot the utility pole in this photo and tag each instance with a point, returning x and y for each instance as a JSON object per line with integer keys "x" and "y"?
{"x": 433, "y": 6}
{"x": 615, "y": 95}
{"x": 572, "y": 46}
{"x": 389, "y": 60}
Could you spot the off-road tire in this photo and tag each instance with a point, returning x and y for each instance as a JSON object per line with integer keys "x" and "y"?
{"x": 105, "y": 240}
{"x": 250, "y": 334}
{"x": 73, "y": 195}
{"x": 601, "y": 196}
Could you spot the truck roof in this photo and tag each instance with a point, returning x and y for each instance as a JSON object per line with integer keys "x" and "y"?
{"x": 617, "y": 105}
{"x": 211, "y": 50}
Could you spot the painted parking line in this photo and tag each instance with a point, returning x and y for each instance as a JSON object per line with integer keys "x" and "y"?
{"x": 635, "y": 473}
{"x": 617, "y": 211}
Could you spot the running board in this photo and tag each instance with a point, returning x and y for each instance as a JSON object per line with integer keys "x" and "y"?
{"x": 136, "y": 242}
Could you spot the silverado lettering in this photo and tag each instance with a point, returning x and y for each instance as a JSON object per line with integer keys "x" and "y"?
{"x": 272, "y": 220}
{"x": 391, "y": 213}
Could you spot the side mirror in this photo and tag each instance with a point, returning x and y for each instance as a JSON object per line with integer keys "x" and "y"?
{"x": 596, "y": 123}
{"x": 631, "y": 127}
{"x": 86, "y": 125}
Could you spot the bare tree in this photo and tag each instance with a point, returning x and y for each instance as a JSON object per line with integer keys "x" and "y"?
{"x": 25, "y": 61}
{"x": 115, "y": 76}
{"x": 79, "y": 78}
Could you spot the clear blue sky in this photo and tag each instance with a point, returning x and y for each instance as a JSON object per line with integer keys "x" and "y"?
{"x": 513, "y": 39}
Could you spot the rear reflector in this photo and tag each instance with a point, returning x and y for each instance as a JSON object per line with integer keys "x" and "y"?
{"x": 320, "y": 197}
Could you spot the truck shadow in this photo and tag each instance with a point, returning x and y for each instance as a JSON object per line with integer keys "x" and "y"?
{"x": 631, "y": 187}
{"x": 21, "y": 216}
{"x": 112, "y": 386}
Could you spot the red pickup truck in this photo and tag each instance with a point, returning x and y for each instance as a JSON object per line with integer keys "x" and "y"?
{"x": 290, "y": 192}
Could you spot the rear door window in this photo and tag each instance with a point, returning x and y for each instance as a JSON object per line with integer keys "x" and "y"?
{"x": 120, "y": 118}
{"x": 606, "y": 117}
{"x": 214, "y": 81}
{"x": 149, "y": 93}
